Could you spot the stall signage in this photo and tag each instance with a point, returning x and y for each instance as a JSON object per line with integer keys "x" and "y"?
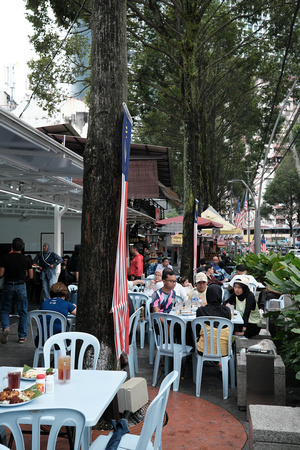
{"x": 176, "y": 240}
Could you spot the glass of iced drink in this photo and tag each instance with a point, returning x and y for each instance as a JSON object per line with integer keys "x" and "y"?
{"x": 64, "y": 369}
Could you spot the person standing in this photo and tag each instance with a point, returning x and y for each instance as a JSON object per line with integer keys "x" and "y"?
{"x": 47, "y": 261}
{"x": 15, "y": 267}
{"x": 136, "y": 266}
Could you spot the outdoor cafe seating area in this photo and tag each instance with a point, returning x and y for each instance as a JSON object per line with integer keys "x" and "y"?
{"x": 158, "y": 342}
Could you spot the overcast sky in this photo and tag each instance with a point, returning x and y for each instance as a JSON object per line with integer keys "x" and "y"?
{"x": 15, "y": 48}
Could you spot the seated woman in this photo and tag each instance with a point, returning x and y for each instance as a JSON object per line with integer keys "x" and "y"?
{"x": 214, "y": 308}
{"x": 244, "y": 302}
{"x": 57, "y": 302}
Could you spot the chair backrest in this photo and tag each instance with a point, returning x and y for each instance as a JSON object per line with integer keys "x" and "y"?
{"x": 12, "y": 418}
{"x": 163, "y": 326}
{"x": 155, "y": 415}
{"x": 73, "y": 287}
{"x": 133, "y": 322}
{"x": 178, "y": 299}
{"x": 212, "y": 323}
{"x": 252, "y": 287}
{"x": 148, "y": 313}
{"x": 67, "y": 342}
{"x": 138, "y": 299}
{"x": 44, "y": 321}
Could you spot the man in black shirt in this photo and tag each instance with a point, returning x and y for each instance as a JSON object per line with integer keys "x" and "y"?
{"x": 14, "y": 267}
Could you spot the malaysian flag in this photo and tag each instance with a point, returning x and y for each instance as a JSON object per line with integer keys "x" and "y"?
{"x": 263, "y": 245}
{"x": 120, "y": 301}
{"x": 238, "y": 218}
{"x": 252, "y": 246}
{"x": 244, "y": 212}
{"x": 195, "y": 236}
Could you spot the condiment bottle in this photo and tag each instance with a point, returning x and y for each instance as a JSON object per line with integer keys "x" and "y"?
{"x": 40, "y": 382}
{"x": 49, "y": 384}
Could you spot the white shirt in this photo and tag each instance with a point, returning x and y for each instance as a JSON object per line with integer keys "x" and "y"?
{"x": 161, "y": 267}
{"x": 179, "y": 289}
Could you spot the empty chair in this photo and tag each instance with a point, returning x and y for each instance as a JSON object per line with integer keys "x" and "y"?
{"x": 139, "y": 300}
{"x": 212, "y": 349}
{"x": 280, "y": 301}
{"x": 167, "y": 343}
{"x": 73, "y": 289}
{"x": 252, "y": 287}
{"x": 132, "y": 357}
{"x": 58, "y": 417}
{"x": 67, "y": 343}
{"x": 43, "y": 322}
{"x": 153, "y": 423}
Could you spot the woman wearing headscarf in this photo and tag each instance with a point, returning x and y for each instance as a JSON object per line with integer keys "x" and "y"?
{"x": 244, "y": 302}
{"x": 47, "y": 262}
{"x": 214, "y": 308}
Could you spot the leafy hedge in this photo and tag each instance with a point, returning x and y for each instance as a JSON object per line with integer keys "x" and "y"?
{"x": 281, "y": 273}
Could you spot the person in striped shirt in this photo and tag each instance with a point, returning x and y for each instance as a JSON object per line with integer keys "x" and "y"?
{"x": 163, "y": 299}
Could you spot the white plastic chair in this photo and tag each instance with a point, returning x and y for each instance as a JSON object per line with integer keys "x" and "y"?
{"x": 151, "y": 340}
{"x": 45, "y": 330}
{"x": 139, "y": 300}
{"x": 280, "y": 300}
{"x": 132, "y": 357}
{"x": 67, "y": 343}
{"x": 165, "y": 340}
{"x": 153, "y": 423}
{"x": 252, "y": 287}
{"x": 214, "y": 354}
{"x": 58, "y": 417}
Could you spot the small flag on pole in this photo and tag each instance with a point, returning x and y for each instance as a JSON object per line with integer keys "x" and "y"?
{"x": 238, "y": 218}
{"x": 195, "y": 236}
{"x": 252, "y": 246}
{"x": 120, "y": 293}
{"x": 244, "y": 212}
{"x": 263, "y": 246}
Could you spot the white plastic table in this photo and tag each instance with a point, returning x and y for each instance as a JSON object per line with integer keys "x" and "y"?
{"x": 90, "y": 392}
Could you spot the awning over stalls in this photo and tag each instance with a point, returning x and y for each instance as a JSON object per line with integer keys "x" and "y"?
{"x": 174, "y": 224}
{"x": 211, "y": 214}
{"x": 35, "y": 168}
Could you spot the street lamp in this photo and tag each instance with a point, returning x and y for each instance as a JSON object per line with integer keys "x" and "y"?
{"x": 257, "y": 218}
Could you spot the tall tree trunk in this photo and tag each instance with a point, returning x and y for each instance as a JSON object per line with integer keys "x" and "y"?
{"x": 102, "y": 175}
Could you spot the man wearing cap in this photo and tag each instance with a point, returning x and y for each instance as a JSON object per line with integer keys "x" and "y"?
{"x": 201, "y": 285}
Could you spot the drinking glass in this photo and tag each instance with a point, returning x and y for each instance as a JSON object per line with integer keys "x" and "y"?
{"x": 64, "y": 369}
{"x": 13, "y": 380}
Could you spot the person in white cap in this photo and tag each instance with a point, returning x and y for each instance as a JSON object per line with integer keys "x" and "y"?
{"x": 244, "y": 302}
{"x": 200, "y": 289}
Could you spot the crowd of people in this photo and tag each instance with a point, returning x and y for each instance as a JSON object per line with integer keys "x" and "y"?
{"x": 18, "y": 271}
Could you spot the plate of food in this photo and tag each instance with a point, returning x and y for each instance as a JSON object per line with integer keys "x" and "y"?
{"x": 17, "y": 397}
{"x": 29, "y": 374}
